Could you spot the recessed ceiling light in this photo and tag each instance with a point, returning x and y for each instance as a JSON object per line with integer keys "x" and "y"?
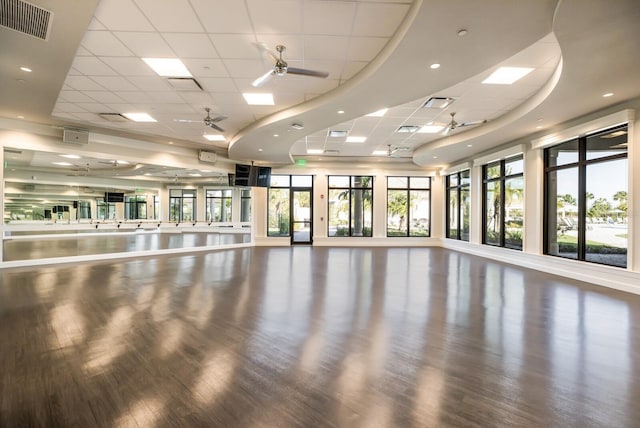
{"x": 70, "y": 156}
{"x": 297, "y": 126}
{"x": 139, "y": 117}
{"x": 379, "y": 113}
{"x": 62, "y": 163}
{"x": 20, "y": 117}
{"x": 462, "y": 32}
{"x": 259, "y": 150}
{"x": 407, "y": 129}
{"x": 507, "y": 75}
{"x": 353, "y": 139}
{"x": 26, "y": 69}
{"x": 170, "y": 142}
{"x": 337, "y": 134}
{"x": 434, "y": 66}
{"x": 214, "y": 137}
{"x": 539, "y": 127}
{"x": 380, "y": 152}
{"x": 315, "y": 151}
{"x": 195, "y": 174}
{"x": 469, "y": 145}
{"x": 435, "y": 157}
{"x": 168, "y": 67}
{"x": 430, "y": 129}
{"x": 147, "y": 173}
{"x": 276, "y": 135}
{"x": 607, "y": 95}
{"x": 258, "y": 99}
{"x": 340, "y": 111}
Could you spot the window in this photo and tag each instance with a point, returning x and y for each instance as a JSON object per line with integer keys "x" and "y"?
{"x": 350, "y": 202}
{"x": 279, "y": 214}
{"x": 245, "y": 205}
{"x": 106, "y": 210}
{"x": 458, "y": 205}
{"x": 135, "y": 207}
{"x": 219, "y": 205}
{"x": 290, "y": 206}
{"x": 503, "y": 203}
{"x": 182, "y": 205}
{"x": 408, "y": 206}
{"x": 586, "y": 198}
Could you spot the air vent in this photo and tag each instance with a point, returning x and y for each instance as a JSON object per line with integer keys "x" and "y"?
{"x": 75, "y": 136}
{"x": 438, "y": 102}
{"x": 331, "y": 152}
{"x": 184, "y": 84}
{"x": 337, "y": 134}
{"x": 113, "y": 117}
{"x": 26, "y": 18}
{"x": 407, "y": 129}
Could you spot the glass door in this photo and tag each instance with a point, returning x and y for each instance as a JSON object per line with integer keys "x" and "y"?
{"x": 301, "y": 219}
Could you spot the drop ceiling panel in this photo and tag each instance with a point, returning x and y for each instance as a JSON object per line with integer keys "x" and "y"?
{"x": 74, "y": 97}
{"x": 329, "y": 17}
{"x": 199, "y": 99}
{"x": 386, "y": 16}
{"x": 325, "y": 47}
{"x": 238, "y": 46}
{"x": 293, "y": 43}
{"x": 122, "y": 15}
{"x": 352, "y": 68}
{"x": 104, "y": 97}
{"x": 187, "y": 45}
{"x": 170, "y": 16}
{"x": 365, "y": 48}
{"x": 129, "y": 66}
{"x": 209, "y": 67}
{"x": 235, "y": 18}
{"x": 104, "y": 43}
{"x": 134, "y": 96}
{"x": 82, "y": 83}
{"x": 93, "y": 107}
{"x": 150, "y": 83}
{"x": 146, "y": 45}
{"x": 217, "y": 84}
{"x": 114, "y": 83}
{"x": 90, "y": 65}
{"x": 166, "y": 97}
{"x": 244, "y": 68}
{"x": 276, "y": 16}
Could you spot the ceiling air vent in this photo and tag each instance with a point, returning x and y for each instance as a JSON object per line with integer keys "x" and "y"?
{"x": 184, "y": 84}
{"x": 26, "y": 18}
{"x": 113, "y": 117}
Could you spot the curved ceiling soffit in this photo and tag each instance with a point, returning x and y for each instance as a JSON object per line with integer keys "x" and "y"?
{"x": 369, "y": 90}
{"x": 422, "y": 154}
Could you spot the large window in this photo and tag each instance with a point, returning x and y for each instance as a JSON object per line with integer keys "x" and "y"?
{"x": 106, "y": 210}
{"x": 245, "y": 205}
{"x": 279, "y": 215}
{"x": 586, "y": 198}
{"x": 408, "y": 206}
{"x": 350, "y": 205}
{"x": 219, "y": 205}
{"x": 182, "y": 205}
{"x": 458, "y": 205}
{"x": 135, "y": 207}
{"x": 503, "y": 209}
{"x": 290, "y": 207}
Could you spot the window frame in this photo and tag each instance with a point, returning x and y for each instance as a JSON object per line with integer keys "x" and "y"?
{"x": 409, "y": 189}
{"x": 350, "y": 189}
{"x": 458, "y": 188}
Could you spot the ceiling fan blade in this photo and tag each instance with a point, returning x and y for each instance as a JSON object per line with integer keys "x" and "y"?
{"x": 446, "y": 131}
{"x": 262, "y": 79}
{"x": 305, "y": 72}
{"x": 186, "y": 121}
{"x": 216, "y": 127}
{"x": 218, "y": 119}
{"x": 262, "y": 47}
{"x": 477, "y": 122}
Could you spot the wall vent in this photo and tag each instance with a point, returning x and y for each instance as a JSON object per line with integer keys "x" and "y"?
{"x": 75, "y": 136}
{"x": 26, "y": 18}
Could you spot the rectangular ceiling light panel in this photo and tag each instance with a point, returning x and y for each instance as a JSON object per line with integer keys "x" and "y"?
{"x": 354, "y": 139}
{"x": 139, "y": 117}
{"x": 168, "y": 67}
{"x": 258, "y": 99}
{"x": 507, "y": 75}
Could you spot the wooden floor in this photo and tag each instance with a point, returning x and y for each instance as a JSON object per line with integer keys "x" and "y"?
{"x": 315, "y": 337}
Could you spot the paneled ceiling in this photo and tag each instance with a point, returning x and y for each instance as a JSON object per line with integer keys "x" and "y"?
{"x": 378, "y": 54}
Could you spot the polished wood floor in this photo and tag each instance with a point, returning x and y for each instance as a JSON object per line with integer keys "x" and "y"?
{"x": 315, "y": 337}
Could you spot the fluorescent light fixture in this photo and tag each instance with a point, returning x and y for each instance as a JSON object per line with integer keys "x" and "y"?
{"x": 214, "y": 137}
{"x": 26, "y": 69}
{"x": 337, "y": 134}
{"x": 315, "y": 151}
{"x": 139, "y": 117}
{"x": 380, "y": 152}
{"x": 62, "y": 163}
{"x": 353, "y": 139}
{"x": 70, "y": 156}
{"x": 121, "y": 162}
{"x": 430, "y": 129}
{"x": 195, "y": 174}
{"x": 168, "y": 67}
{"x": 407, "y": 129}
{"x": 607, "y": 95}
{"x": 507, "y": 75}
{"x": 434, "y": 66}
{"x": 258, "y": 99}
{"x": 379, "y": 113}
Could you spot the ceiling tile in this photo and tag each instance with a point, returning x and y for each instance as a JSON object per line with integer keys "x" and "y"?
{"x": 241, "y": 46}
{"x": 365, "y": 48}
{"x": 325, "y": 47}
{"x": 67, "y": 108}
{"x": 93, "y": 107}
{"x": 104, "y": 97}
{"x": 82, "y": 52}
{"x": 129, "y": 66}
{"x": 197, "y": 99}
{"x": 217, "y": 84}
{"x": 352, "y": 68}
{"x": 206, "y": 67}
{"x": 329, "y": 17}
{"x": 166, "y": 97}
{"x": 73, "y": 97}
{"x": 82, "y": 83}
{"x": 122, "y": 15}
{"x": 244, "y": 68}
{"x": 134, "y": 96}
{"x": 104, "y": 43}
{"x": 387, "y": 18}
{"x": 170, "y": 16}
{"x": 92, "y": 66}
{"x": 115, "y": 83}
{"x": 292, "y": 42}
{"x": 146, "y": 45}
{"x": 235, "y": 18}
{"x": 276, "y": 16}
{"x": 191, "y": 45}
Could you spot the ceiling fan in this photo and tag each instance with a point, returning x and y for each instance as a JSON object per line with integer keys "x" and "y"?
{"x": 209, "y": 121}
{"x": 280, "y": 67}
{"x": 455, "y": 125}
{"x": 394, "y": 152}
